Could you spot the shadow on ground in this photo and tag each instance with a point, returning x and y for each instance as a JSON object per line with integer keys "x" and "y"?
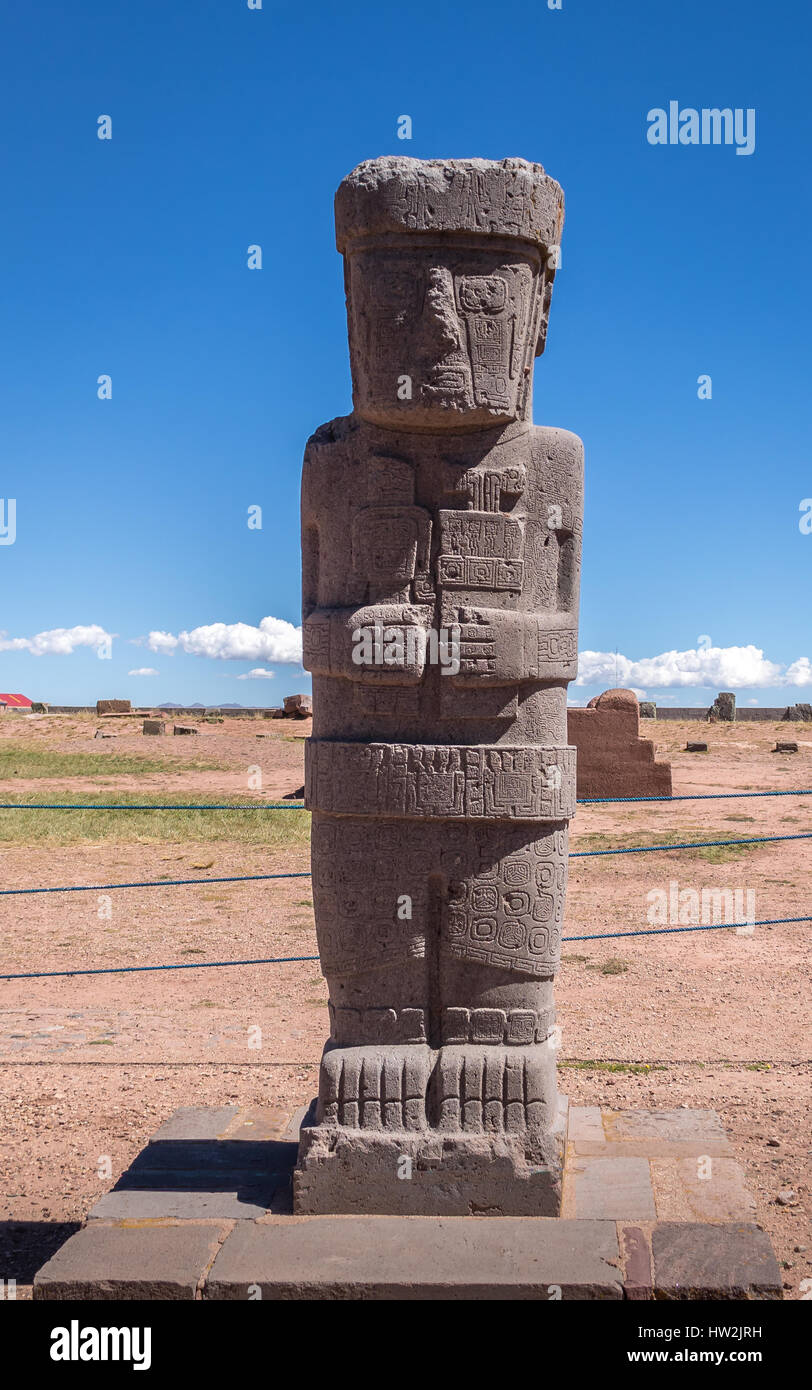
{"x": 26, "y": 1245}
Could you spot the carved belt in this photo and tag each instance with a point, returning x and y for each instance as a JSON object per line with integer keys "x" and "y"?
{"x": 440, "y": 781}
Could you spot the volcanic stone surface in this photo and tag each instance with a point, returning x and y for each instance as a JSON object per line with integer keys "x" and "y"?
{"x": 441, "y": 535}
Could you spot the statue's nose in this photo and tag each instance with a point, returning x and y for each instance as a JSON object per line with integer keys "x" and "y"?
{"x": 440, "y": 322}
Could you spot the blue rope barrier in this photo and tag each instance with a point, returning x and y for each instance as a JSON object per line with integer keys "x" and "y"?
{"x": 299, "y": 806}
{"x": 703, "y": 796}
{"x": 689, "y": 844}
{"x": 285, "y": 960}
{"x": 134, "y": 969}
{"x": 147, "y": 883}
{"x": 103, "y": 806}
{"x": 665, "y": 931}
{"x": 255, "y": 878}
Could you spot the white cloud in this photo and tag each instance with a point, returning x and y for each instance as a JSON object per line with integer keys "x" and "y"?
{"x": 274, "y": 640}
{"x": 717, "y": 668}
{"x": 143, "y": 671}
{"x": 798, "y": 672}
{"x": 161, "y": 642}
{"x": 58, "y": 641}
{"x": 258, "y": 674}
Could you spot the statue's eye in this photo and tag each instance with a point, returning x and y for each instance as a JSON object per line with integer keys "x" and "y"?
{"x": 483, "y": 292}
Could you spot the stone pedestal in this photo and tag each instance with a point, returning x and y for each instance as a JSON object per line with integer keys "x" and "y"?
{"x": 654, "y": 1207}
{"x": 430, "y": 1172}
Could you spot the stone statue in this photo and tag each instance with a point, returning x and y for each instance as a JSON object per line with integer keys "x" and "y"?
{"x": 441, "y": 541}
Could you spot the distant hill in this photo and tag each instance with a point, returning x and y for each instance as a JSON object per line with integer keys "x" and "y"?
{"x": 173, "y": 704}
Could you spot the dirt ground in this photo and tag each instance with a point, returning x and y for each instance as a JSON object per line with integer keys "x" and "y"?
{"x": 93, "y": 1064}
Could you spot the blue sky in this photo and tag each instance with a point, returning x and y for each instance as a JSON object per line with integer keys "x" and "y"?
{"x": 232, "y": 127}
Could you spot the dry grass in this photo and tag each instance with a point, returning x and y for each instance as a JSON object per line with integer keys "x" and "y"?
{"x": 25, "y": 760}
{"x": 254, "y": 826}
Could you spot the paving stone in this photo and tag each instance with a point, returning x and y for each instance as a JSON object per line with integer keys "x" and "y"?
{"x": 636, "y": 1256}
{"x": 613, "y": 1189}
{"x": 201, "y": 1180}
{"x": 693, "y": 1260}
{"x": 257, "y": 1123}
{"x": 139, "y": 1204}
{"x": 677, "y": 1126}
{"x": 680, "y": 1194}
{"x": 652, "y": 1148}
{"x": 196, "y": 1122}
{"x": 291, "y": 1132}
{"x": 124, "y": 1262}
{"x": 418, "y": 1257}
{"x": 262, "y": 1156}
{"x": 585, "y": 1123}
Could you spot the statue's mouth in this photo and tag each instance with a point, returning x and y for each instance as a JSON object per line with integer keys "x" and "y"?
{"x": 447, "y": 379}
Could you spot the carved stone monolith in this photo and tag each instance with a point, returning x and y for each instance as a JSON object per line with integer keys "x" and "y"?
{"x": 441, "y": 543}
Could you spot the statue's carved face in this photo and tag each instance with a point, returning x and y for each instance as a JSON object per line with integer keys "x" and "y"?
{"x": 443, "y": 337}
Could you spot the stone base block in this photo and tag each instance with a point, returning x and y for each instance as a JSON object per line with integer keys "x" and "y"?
{"x": 123, "y": 1262}
{"x": 418, "y": 1257}
{"x": 343, "y": 1171}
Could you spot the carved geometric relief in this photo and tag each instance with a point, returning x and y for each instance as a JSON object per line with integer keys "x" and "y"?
{"x": 484, "y": 489}
{"x": 316, "y": 644}
{"x": 502, "y": 916}
{"x": 390, "y": 542}
{"x": 480, "y": 550}
{"x": 431, "y": 781}
{"x": 553, "y": 654}
{"x": 514, "y": 1027}
{"x": 357, "y": 920}
{"x": 388, "y": 702}
{"x": 560, "y": 645}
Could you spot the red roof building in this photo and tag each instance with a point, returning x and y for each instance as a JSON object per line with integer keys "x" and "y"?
{"x": 15, "y": 701}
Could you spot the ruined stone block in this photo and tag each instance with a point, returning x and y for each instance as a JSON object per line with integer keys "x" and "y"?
{"x": 798, "y": 713}
{"x": 723, "y": 707}
{"x": 298, "y": 706}
{"x": 613, "y": 760}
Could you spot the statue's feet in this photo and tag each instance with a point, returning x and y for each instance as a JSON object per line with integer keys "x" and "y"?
{"x": 493, "y": 1090}
{"x": 375, "y": 1088}
{"x": 458, "y": 1090}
